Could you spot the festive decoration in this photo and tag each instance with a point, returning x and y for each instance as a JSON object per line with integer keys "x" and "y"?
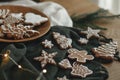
{"x": 52, "y": 71}
{"x": 106, "y": 51}
{"x": 63, "y": 42}
{"x": 6, "y": 55}
{"x": 34, "y": 19}
{"x": 46, "y": 58}
{"x": 81, "y": 56}
{"x": 47, "y": 44}
{"x": 65, "y": 63}
{"x": 90, "y": 33}
{"x": 85, "y": 20}
{"x": 80, "y": 70}
{"x": 12, "y": 20}
{"x": 63, "y": 78}
{"x": 18, "y": 31}
{"x": 83, "y": 41}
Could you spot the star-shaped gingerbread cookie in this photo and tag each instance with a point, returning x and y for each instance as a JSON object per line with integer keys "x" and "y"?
{"x": 46, "y": 58}
{"x": 90, "y": 33}
{"x": 81, "y": 56}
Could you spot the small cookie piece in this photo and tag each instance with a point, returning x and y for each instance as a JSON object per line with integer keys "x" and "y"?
{"x": 83, "y": 41}
{"x": 63, "y": 78}
{"x": 81, "y": 56}
{"x": 47, "y": 44}
{"x": 46, "y": 58}
{"x": 65, "y": 63}
{"x": 90, "y": 33}
{"x": 106, "y": 51}
{"x": 80, "y": 70}
{"x": 63, "y": 42}
{"x": 4, "y": 13}
{"x": 34, "y": 19}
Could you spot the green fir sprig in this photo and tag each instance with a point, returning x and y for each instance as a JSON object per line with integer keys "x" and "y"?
{"x": 83, "y": 21}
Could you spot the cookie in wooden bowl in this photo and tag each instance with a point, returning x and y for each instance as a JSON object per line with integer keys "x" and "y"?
{"x": 19, "y": 24}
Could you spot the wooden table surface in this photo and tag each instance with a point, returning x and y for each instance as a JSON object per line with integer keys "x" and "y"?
{"x": 80, "y": 7}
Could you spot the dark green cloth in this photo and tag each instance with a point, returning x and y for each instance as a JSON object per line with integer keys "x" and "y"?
{"x": 23, "y": 53}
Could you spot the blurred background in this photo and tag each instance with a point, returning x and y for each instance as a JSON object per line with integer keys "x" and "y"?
{"x": 112, "y": 5}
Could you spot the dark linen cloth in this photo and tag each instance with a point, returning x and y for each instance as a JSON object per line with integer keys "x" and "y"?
{"x": 23, "y": 54}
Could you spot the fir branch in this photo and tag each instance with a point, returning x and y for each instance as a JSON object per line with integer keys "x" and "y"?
{"x": 83, "y": 21}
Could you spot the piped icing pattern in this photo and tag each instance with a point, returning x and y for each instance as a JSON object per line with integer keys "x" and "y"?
{"x": 14, "y": 25}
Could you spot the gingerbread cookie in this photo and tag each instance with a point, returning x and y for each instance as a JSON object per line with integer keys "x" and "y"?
{"x": 17, "y": 15}
{"x": 80, "y": 70}
{"x": 46, "y": 58}
{"x": 12, "y": 20}
{"x": 63, "y": 42}
{"x": 18, "y": 31}
{"x": 81, "y": 56}
{"x": 106, "y": 51}
{"x": 90, "y": 33}
{"x": 83, "y": 41}
{"x": 34, "y": 19}
{"x": 47, "y": 44}
{"x": 65, "y": 63}
{"x": 63, "y": 78}
{"x": 4, "y": 13}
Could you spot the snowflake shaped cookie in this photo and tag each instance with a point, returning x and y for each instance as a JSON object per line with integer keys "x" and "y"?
{"x": 47, "y": 44}
{"x": 46, "y": 58}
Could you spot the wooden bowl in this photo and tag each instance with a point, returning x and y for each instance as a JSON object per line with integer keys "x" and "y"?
{"x": 43, "y": 29}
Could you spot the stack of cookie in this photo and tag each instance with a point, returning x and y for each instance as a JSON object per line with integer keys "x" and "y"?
{"x": 19, "y": 25}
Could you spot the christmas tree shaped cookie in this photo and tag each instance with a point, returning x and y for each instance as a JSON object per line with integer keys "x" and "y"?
{"x": 65, "y": 64}
{"x": 105, "y": 51}
{"x": 62, "y": 40}
{"x": 80, "y": 70}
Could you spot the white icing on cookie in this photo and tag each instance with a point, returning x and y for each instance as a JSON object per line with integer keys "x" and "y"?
{"x": 18, "y": 31}
{"x": 31, "y": 18}
{"x": 47, "y": 44}
{"x": 83, "y": 41}
{"x": 17, "y": 15}
{"x": 11, "y": 20}
{"x": 4, "y": 13}
{"x": 1, "y": 21}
